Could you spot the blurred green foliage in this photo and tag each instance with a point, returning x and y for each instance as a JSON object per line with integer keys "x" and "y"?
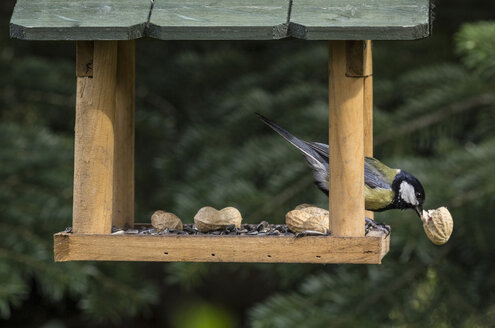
{"x": 199, "y": 143}
{"x": 476, "y": 53}
{"x": 202, "y": 315}
{"x": 441, "y": 128}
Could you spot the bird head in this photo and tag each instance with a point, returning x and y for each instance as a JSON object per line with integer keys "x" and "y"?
{"x": 409, "y": 193}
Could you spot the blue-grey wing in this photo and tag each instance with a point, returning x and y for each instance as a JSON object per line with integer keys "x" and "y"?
{"x": 373, "y": 175}
{"x": 320, "y": 148}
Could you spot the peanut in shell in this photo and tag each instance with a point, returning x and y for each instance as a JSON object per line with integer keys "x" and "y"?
{"x": 162, "y": 220}
{"x": 438, "y": 225}
{"x": 307, "y": 218}
{"x": 211, "y": 219}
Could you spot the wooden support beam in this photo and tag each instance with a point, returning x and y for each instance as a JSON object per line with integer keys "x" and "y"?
{"x": 361, "y": 66}
{"x": 94, "y": 140}
{"x": 123, "y": 188}
{"x": 347, "y": 64}
{"x": 368, "y": 106}
{"x": 84, "y": 58}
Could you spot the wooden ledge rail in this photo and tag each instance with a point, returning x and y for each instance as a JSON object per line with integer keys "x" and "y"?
{"x": 205, "y": 248}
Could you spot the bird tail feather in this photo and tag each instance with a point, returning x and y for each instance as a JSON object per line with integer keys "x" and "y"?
{"x": 310, "y": 154}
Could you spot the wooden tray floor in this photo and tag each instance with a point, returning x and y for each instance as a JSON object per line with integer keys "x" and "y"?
{"x": 224, "y": 248}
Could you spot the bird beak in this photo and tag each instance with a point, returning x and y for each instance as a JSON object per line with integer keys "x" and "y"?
{"x": 419, "y": 210}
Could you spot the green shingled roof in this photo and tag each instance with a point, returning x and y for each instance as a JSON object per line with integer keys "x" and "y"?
{"x": 221, "y": 19}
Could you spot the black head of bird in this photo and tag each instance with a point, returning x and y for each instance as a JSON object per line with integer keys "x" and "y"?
{"x": 409, "y": 193}
{"x": 385, "y": 188}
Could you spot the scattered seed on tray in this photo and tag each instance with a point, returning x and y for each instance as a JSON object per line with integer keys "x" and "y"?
{"x": 261, "y": 229}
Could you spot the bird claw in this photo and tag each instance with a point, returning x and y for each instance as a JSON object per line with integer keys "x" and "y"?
{"x": 307, "y": 233}
{"x": 371, "y": 224}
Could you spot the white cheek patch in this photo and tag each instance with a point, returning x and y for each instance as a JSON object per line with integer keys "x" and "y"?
{"x": 407, "y": 193}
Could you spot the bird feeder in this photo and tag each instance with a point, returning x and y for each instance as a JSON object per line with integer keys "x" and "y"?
{"x": 105, "y": 32}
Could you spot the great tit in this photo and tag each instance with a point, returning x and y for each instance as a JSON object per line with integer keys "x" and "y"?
{"x": 385, "y": 188}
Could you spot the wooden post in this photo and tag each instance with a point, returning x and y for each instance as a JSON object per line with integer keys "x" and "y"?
{"x": 123, "y": 202}
{"x": 348, "y": 64}
{"x": 94, "y": 137}
{"x": 368, "y": 107}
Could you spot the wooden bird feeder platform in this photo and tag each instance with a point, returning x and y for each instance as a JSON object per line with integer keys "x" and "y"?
{"x": 105, "y": 32}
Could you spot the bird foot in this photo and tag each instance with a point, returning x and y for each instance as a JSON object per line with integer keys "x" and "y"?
{"x": 371, "y": 224}
{"x": 307, "y": 233}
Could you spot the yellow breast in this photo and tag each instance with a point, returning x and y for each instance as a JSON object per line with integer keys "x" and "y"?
{"x": 377, "y": 198}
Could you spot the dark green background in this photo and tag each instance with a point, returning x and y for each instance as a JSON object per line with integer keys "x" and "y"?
{"x": 199, "y": 143}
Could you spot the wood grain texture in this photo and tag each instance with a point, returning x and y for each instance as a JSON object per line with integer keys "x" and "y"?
{"x": 123, "y": 188}
{"x": 360, "y": 20}
{"x": 361, "y": 66}
{"x": 219, "y": 20}
{"x": 269, "y": 249}
{"x": 84, "y": 58}
{"x": 79, "y": 19}
{"x": 346, "y": 143}
{"x": 94, "y": 143}
{"x": 368, "y": 107}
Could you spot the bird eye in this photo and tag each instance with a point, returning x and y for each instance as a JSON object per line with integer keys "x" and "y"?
{"x": 418, "y": 194}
